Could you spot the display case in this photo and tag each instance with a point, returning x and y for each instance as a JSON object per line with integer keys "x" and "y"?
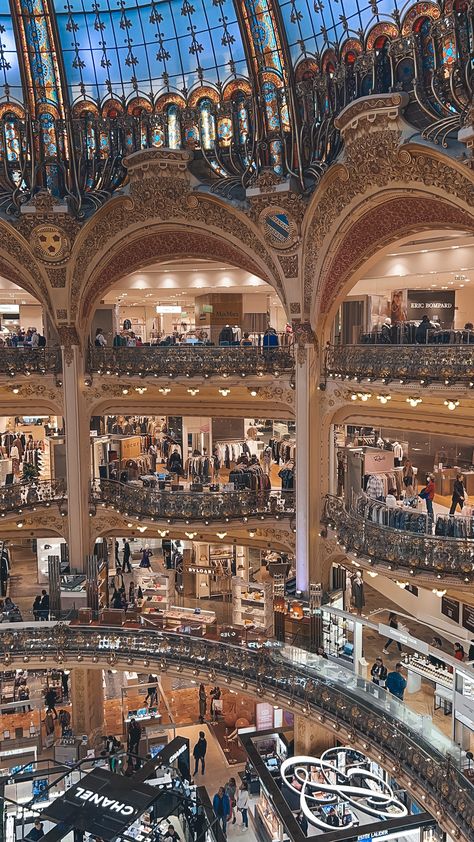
{"x": 337, "y": 632}
{"x": 252, "y": 604}
{"x": 266, "y": 820}
{"x": 158, "y": 590}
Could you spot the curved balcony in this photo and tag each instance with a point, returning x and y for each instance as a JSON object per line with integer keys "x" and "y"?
{"x": 27, "y": 361}
{"x": 190, "y": 506}
{"x": 423, "y": 364}
{"x": 15, "y": 498}
{"x": 397, "y": 549}
{"x": 191, "y": 361}
{"x": 341, "y": 701}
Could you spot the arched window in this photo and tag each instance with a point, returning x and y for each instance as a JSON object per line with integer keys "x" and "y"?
{"x": 383, "y": 73}
{"x": 272, "y": 114}
{"x": 11, "y": 133}
{"x": 405, "y": 73}
{"x": 207, "y": 124}
{"x": 174, "y": 127}
{"x": 157, "y": 132}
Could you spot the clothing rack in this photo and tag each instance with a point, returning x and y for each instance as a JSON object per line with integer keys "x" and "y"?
{"x": 399, "y": 517}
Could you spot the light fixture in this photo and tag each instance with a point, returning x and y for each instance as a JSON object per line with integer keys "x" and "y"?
{"x": 224, "y": 392}
{"x": 253, "y": 393}
{"x": 372, "y": 573}
{"x": 251, "y": 533}
{"x": 221, "y": 535}
{"x": 451, "y": 404}
{"x": 140, "y": 389}
{"x": 439, "y": 593}
{"x": 414, "y": 401}
{"x": 129, "y": 525}
{"x": 142, "y": 528}
{"x": 164, "y": 390}
{"x": 19, "y": 524}
{"x": 191, "y": 535}
{"x": 163, "y": 532}
{"x": 363, "y": 396}
{"x": 15, "y": 390}
{"x": 193, "y": 392}
{"x": 402, "y": 585}
{"x": 124, "y": 391}
{"x": 384, "y": 398}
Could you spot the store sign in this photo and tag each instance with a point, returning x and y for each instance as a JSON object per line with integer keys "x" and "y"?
{"x": 376, "y": 461}
{"x": 95, "y": 799}
{"x": 164, "y": 309}
{"x": 468, "y": 617}
{"x": 264, "y": 716}
{"x": 438, "y": 307}
{"x": 450, "y": 608}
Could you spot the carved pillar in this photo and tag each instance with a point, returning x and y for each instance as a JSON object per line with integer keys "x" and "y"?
{"x": 77, "y": 456}
{"x": 87, "y": 696}
{"x": 306, "y": 468}
{"x": 310, "y": 737}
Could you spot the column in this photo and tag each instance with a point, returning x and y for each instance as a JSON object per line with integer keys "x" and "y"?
{"x": 307, "y": 442}
{"x": 77, "y": 457}
{"x": 87, "y": 697}
{"x": 311, "y": 738}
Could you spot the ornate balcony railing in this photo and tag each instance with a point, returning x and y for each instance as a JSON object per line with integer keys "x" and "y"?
{"x": 188, "y": 506}
{"x": 190, "y": 361}
{"x": 14, "y": 498}
{"x": 352, "y": 706}
{"x": 401, "y": 550}
{"x": 424, "y": 364}
{"x": 15, "y": 361}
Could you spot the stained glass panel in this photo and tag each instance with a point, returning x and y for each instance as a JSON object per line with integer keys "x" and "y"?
{"x": 147, "y": 47}
{"x": 10, "y": 79}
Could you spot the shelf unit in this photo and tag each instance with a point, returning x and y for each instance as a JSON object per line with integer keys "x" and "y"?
{"x": 252, "y": 604}
{"x": 158, "y": 590}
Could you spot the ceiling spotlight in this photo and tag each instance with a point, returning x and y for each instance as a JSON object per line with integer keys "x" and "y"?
{"x": 142, "y": 528}
{"x": 19, "y": 523}
{"x": 414, "y": 402}
{"x": 224, "y": 392}
{"x": 451, "y": 404}
{"x": 251, "y": 533}
{"x": 125, "y": 391}
{"x": 164, "y": 390}
{"x": 15, "y": 390}
{"x": 438, "y": 592}
{"x": 221, "y": 535}
{"x": 191, "y": 535}
{"x": 384, "y": 398}
{"x": 363, "y": 396}
{"x": 402, "y": 585}
{"x": 163, "y": 532}
{"x": 253, "y": 393}
{"x": 140, "y": 389}
{"x": 193, "y": 392}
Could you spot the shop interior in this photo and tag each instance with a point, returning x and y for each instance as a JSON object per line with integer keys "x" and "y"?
{"x": 187, "y": 301}
{"x": 194, "y": 453}
{"x": 20, "y": 312}
{"x": 32, "y": 448}
{"x": 429, "y": 275}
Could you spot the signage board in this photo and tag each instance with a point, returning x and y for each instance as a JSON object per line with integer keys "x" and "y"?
{"x": 468, "y": 617}
{"x": 450, "y": 608}
{"x": 404, "y": 638}
{"x": 376, "y": 461}
{"x": 438, "y": 306}
{"x": 102, "y": 804}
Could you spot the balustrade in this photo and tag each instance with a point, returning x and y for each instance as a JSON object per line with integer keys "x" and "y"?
{"x": 193, "y": 505}
{"x": 409, "y": 552}
{"x": 423, "y": 364}
{"x": 15, "y": 361}
{"x": 190, "y": 361}
{"x": 285, "y": 674}
{"x": 29, "y": 495}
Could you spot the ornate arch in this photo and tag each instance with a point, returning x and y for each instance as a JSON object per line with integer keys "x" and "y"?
{"x": 383, "y": 189}
{"x": 19, "y": 266}
{"x": 162, "y": 217}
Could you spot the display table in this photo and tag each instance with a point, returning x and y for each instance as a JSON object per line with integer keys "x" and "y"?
{"x": 69, "y": 753}
{"x": 419, "y": 668}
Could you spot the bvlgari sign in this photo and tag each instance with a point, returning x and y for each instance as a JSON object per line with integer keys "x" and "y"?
{"x": 102, "y": 803}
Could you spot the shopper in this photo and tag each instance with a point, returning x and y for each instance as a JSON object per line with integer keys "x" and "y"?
{"x": 246, "y": 343}
{"x": 50, "y": 699}
{"x": 395, "y": 682}
{"x": 134, "y": 736}
{"x": 391, "y": 499}
{"x": 459, "y": 494}
{"x": 215, "y": 695}
{"x": 44, "y": 605}
{"x": 332, "y": 818}
{"x": 170, "y": 835}
{"x": 221, "y": 807}
{"x": 459, "y": 652}
{"x": 36, "y": 831}
{"x": 37, "y": 608}
{"x": 127, "y": 567}
{"x": 422, "y": 330}
{"x": 152, "y": 693}
{"x": 436, "y": 644}
{"x": 65, "y": 683}
{"x": 202, "y": 703}
{"x": 303, "y": 822}
{"x": 230, "y": 790}
{"x": 427, "y": 494}
{"x": 199, "y": 753}
{"x": 243, "y": 804}
{"x": 379, "y": 672}
{"x": 270, "y": 338}
{"x": 100, "y": 340}
{"x": 393, "y": 623}
{"x": 322, "y": 653}
{"x": 131, "y": 593}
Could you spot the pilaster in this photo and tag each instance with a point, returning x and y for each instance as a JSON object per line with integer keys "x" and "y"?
{"x": 87, "y": 696}
{"x": 310, "y": 737}
{"x": 77, "y": 456}
{"x": 306, "y": 468}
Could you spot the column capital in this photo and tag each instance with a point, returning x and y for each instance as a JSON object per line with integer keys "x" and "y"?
{"x": 69, "y": 339}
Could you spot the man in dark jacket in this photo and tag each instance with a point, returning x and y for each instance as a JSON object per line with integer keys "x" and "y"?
{"x": 127, "y": 567}
{"x": 44, "y": 606}
{"x": 395, "y": 682}
{"x": 199, "y": 753}
{"x": 221, "y": 807}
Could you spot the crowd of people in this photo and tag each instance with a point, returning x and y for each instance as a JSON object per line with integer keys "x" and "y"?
{"x": 21, "y": 338}
{"x": 228, "y": 336}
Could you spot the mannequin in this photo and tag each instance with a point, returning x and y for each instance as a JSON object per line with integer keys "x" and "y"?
{"x": 348, "y": 592}
{"x": 358, "y": 592}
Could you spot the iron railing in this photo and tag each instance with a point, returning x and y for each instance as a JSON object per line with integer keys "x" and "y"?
{"x": 15, "y": 361}
{"x": 15, "y": 498}
{"x": 423, "y": 364}
{"x": 188, "y": 506}
{"x": 190, "y": 361}
{"x": 397, "y": 549}
{"x": 356, "y": 710}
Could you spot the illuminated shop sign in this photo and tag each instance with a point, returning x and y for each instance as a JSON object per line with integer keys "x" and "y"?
{"x": 97, "y": 800}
